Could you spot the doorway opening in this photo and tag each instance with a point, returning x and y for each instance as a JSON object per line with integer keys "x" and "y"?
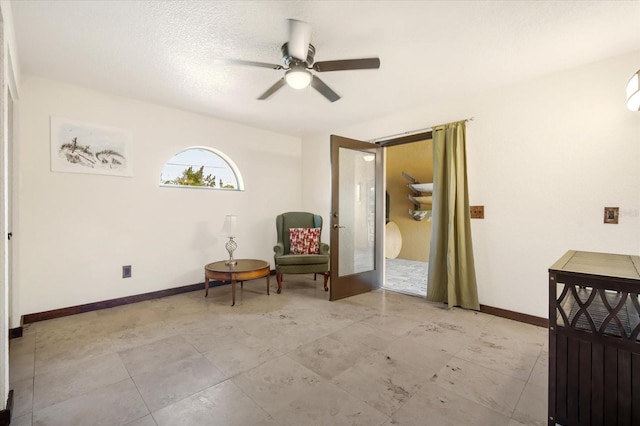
{"x": 409, "y": 184}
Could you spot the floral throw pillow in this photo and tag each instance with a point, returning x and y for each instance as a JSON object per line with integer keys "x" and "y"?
{"x": 304, "y": 240}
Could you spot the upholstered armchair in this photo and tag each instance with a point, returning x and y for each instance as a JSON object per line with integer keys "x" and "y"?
{"x": 299, "y": 250}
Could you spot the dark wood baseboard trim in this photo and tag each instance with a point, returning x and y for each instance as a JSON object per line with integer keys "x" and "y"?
{"x": 72, "y": 310}
{"x": 15, "y": 332}
{"x": 516, "y": 316}
{"x": 5, "y": 415}
{"x": 105, "y": 304}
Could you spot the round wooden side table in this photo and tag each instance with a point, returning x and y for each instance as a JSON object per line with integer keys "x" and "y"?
{"x": 243, "y": 270}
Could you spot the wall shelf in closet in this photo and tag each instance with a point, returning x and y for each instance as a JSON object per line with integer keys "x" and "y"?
{"x": 420, "y": 195}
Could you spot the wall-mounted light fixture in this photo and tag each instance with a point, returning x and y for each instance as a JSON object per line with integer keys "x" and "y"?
{"x": 633, "y": 92}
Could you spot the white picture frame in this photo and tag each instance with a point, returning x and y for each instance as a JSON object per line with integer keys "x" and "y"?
{"x": 79, "y": 147}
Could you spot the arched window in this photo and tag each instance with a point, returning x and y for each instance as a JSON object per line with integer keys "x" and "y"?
{"x": 202, "y": 167}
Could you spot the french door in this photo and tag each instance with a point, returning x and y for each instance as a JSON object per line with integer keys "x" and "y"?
{"x": 356, "y": 217}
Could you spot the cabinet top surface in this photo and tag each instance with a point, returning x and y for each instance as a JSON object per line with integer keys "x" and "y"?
{"x": 602, "y": 264}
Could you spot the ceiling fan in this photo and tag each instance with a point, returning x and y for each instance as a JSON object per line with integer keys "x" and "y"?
{"x": 297, "y": 55}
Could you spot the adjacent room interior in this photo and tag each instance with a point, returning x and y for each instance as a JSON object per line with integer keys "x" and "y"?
{"x": 408, "y": 223}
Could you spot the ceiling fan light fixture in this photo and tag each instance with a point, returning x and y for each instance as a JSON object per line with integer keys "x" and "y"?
{"x": 298, "y": 78}
{"x": 633, "y": 92}
{"x": 298, "y": 57}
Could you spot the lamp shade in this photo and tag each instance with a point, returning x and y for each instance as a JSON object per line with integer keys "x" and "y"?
{"x": 230, "y": 227}
{"x": 633, "y": 92}
{"x": 298, "y": 78}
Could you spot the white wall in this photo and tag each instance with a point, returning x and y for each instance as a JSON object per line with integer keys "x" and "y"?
{"x": 76, "y": 231}
{"x": 544, "y": 158}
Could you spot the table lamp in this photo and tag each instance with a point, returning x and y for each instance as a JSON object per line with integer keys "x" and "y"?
{"x": 229, "y": 230}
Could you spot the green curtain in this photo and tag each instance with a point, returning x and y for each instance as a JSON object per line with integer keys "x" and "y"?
{"x": 452, "y": 275}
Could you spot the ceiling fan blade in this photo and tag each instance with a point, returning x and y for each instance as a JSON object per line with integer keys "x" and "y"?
{"x": 347, "y": 64}
{"x": 299, "y": 39}
{"x": 271, "y": 90}
{"x": 250, "y": 63}
{"x": 325, "y": 90}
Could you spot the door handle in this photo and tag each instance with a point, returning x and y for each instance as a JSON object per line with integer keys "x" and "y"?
{"x": 336, "y": 226}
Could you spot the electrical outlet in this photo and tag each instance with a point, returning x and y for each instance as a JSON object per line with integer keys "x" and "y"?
{"x": 476, "y": 212}
{"x": 126, "y": 271}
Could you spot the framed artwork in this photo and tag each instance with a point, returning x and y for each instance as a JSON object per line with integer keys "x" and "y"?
{"x": 78, "y": 147}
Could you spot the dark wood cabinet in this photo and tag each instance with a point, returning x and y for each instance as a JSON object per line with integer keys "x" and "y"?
{"x": 594, "y": 348}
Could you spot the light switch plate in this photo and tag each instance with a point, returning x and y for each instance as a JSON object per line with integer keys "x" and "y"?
{"x": 611, "y": 214}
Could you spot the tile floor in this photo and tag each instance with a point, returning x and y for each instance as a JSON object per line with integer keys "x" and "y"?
{"x": 294, "y": 358}
{"x": 406, "y": 276}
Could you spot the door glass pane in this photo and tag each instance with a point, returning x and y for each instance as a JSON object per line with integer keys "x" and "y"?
{"x": 357, "y": 207}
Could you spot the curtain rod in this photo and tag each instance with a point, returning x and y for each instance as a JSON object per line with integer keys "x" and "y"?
{"x": 408, "y": 133}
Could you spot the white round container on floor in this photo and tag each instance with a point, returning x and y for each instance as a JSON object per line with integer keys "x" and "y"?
{"x": 392, "y": 240}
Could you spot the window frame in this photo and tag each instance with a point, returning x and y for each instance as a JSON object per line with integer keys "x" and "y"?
{"x": 224, "y": 157}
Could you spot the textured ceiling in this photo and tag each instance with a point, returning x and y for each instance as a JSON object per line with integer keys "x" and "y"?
{"x": 167, "y": 52}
